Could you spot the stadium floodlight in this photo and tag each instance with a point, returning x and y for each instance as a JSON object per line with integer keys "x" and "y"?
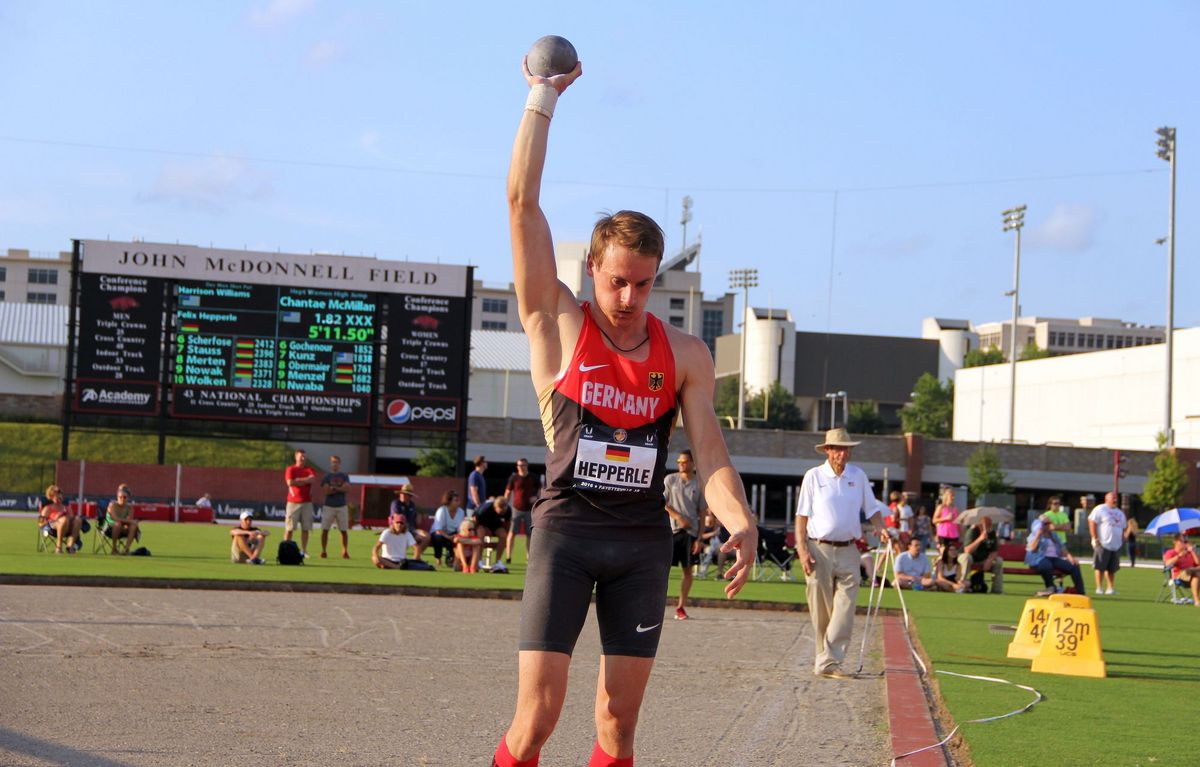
{"x": 1014, "y": 220}
{"x": 744, "y": 279}
{"x": 1166, "y": 151}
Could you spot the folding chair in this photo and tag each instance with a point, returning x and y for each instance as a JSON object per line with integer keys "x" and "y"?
{"x": 1173, "y": 590}
{"x": 775, "y": 557}
{"x": 103, "y": 543}
{"x": 46, "y": 538}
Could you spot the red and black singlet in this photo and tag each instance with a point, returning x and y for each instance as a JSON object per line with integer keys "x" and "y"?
{"x": 608, "y": 422}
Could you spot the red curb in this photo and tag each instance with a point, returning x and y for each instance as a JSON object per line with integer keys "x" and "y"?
{"x": 910, "y": 719}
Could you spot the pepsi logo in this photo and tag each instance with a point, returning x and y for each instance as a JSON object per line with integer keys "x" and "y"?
{"x": 399, "y": 411}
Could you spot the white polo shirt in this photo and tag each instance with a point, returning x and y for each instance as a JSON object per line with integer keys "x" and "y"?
{"x": 833, "y": 504}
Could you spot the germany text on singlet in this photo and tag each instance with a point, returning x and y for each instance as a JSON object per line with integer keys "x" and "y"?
{"x": 608, "y": 422}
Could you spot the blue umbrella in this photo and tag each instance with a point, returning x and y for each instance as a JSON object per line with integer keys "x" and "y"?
{"x": 1174, "y": 521}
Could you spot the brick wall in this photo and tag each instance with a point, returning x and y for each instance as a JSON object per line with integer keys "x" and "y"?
{"x": 27, "y": 407}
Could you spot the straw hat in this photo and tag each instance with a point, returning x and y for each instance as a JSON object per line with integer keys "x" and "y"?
{"x": 838, "y": 437}
{"x": 407, "y": 488}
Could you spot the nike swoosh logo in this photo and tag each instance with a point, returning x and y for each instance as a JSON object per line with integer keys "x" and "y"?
{"x": 643, "y": 629}
{"x": 588, "y": 368}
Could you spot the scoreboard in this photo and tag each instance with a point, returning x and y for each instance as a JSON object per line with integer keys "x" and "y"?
{"x": 121, "y": 343}
{"x": 234, "y": 342}
{"x": 275, "y": 347}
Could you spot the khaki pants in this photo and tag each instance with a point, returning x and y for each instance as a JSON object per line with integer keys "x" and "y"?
{"x": 832, "y": 591}
{"x": 966, "y": 562}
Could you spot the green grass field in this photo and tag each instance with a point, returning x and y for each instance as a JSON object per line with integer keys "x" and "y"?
{"x": 1150, "y": 649}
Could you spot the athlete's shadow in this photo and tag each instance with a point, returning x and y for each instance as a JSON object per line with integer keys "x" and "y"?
{"x": 55, "y": 753}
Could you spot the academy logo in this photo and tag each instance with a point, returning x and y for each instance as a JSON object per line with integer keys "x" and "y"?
{"x": 118, "y": 396}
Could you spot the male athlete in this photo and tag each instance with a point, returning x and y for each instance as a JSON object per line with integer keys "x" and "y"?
{"x": 610, "y": 379}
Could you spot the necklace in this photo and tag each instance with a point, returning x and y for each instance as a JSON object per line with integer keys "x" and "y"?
{"x": 618, "y": 348}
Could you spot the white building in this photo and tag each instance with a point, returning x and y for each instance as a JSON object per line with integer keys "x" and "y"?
{"x": 770, "y": 349}
{"x": 955, "y": 338}
{"x": 500, "y": 382}
{"x": 1064, "y": 336}
{"x": 1112, "y": 399}
{"x": 33, "y": 348}
{"x": 34, "y": 277}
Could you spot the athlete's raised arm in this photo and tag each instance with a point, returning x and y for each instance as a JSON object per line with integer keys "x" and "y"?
{"x": 541, "y": 298}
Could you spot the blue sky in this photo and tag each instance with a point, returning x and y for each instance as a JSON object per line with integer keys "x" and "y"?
{"x": 385, "y": 129}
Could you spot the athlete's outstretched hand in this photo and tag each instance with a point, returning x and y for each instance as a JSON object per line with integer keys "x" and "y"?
{"x": 745, "y": 543}
{"x": 559, "y": 82}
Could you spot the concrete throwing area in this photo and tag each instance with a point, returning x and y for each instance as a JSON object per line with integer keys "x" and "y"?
{"x": 115, "y": 677}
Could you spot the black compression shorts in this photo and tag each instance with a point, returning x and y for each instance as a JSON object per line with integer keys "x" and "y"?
{"x": 630, "y": 581}
{"x": 681, "y": 549}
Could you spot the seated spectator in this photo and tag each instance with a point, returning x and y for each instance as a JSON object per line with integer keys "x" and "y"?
{"x": 467, "y": 547}
{"x": 58, "y": 519}
{"x": 947, "y": 574}
{"x": 445, "y": 526}
{"x": 912, "y": 568}
{"x": 1045, "y": 553}
{"x": 1185, "y": 566}
{"x": 982, "y": 545}
{"x": 405, "y": 503}
{"x": 204, "y": 501}
{"x": 247, "y": 541}
{"x": 121, "y": 524}
{"x": 493, "y": 520}
{"x": 391, "y": 550}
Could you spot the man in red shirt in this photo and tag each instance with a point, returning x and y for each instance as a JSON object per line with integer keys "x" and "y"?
{"x": 300, "y": 478}
{"x": 520, "y": 492}
{"x": 1185, "y": 566}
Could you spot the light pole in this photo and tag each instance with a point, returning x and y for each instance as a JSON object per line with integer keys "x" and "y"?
{"x": 744, "y": 279}
{"x": 1014, "y": 219}
{"x": 832, "y": 397}
{"x": 1166, "y": 151}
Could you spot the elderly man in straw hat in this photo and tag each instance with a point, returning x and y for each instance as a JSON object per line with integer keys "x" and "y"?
{"x": 405, "y": 505}
{"x": 827, "y": 523}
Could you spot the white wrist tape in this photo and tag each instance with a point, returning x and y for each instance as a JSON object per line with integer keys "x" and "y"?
{"x": 542, "y": 98}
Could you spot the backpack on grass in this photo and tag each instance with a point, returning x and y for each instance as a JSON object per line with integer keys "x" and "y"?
{"x": 289, "y": 553}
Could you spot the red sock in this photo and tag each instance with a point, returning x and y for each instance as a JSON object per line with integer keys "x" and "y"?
{"x": 504, "y": 759}
{"x": 601, "y": 759}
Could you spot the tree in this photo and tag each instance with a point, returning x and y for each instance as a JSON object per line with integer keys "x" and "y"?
{"x": 1033, "y": 352}
{"x": 984, "y": 474}
{"x": 864, "y": 419}
{"x": 725, "y": 398}
{"x": 781, "y": 409}
{"x": 438, "y": 458}
{"x": 1167, "y": 482}
{"x": 977, "y": 357}
{"x": 782, "y": 412}
{"x": 931, "y": 411}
